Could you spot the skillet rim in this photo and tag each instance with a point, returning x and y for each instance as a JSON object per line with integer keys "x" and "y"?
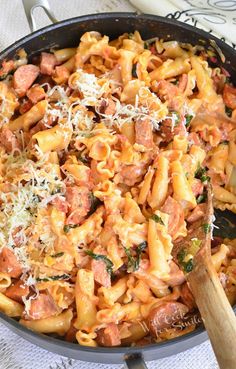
{"x": 111, "y": 15}
{"x": 13, "y": 324}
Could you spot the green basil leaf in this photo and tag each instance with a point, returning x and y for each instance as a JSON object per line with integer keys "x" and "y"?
{"x": 206, "y": 227}
{"x": 67, "y": 227}
{"x": 157, "y": 219}
{"x": 188, "y": 266}
{"x": 188, "y": 119}
{"x": 228, "y": 111}
{"x": 202, "y": 198}
{"x": 134, "y": 72}
{"x": 53, "y": 278}
{"x": 104, "y": 258}
{"x": 58, "y": 255}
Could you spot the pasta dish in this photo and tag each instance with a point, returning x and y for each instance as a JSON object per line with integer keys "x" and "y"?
{"x": 106, "y": 151}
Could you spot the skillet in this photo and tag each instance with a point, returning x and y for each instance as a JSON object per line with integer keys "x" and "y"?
{"x": 67, "y": 34}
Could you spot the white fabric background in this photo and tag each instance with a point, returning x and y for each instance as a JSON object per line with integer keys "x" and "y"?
{"x": 16, "y": 353}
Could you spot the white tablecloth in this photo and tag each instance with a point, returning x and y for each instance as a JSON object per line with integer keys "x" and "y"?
{"x": 16, "y": 353}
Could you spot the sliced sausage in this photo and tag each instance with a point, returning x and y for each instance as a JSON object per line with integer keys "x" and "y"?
{"x": 109, "y": 336}
{"x": 24, "y": 77}
{"x": 9, "y": 263}
{"x": 17, "y": 291}
{"x": 42, "y": 307}
{"x": 108, "y": 107}
{"x": 169, "y": 130}
{"x": 164, "y": 315}
{"x": 60, "y": 203}
{"x": 101, "y": 275}
{"x": 35, "y": 94}
{"x": 9, "y": 141}
{"x": 25, "y": 106}
{"x": 131, "y": 174}
{"x": 176, "y": 214}
{"x": 167, "y": 91}
{"x": 143, "y": 132}
{"x": 187, "y": 297}
{"x": 79, "y": 200}
{"x": 47, "y": 63}
{"x": 229, "y": 96}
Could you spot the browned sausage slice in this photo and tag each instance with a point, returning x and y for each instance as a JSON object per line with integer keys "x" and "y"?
{"x": 164, "y": 315}
{"x": 79, "y": 201}
{"x": 60, "y": 203}
{"x": 8, "y": 140}
{"x": 42, "y": 307}
{"x": 143, "y": 132}
{"x": 24, "y": 77}
{"x": 176, "y": 214}
{"x": 109, "y": 336}
{"x": 48, "y": 63}
{"x": 17, "y": 291}
{"x": 9, "y": 263}
{"x": 101, "y": 275}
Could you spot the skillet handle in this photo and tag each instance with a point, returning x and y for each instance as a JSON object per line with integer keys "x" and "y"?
{"x": 134, "y": 361}
{"x": 30, "y": 5}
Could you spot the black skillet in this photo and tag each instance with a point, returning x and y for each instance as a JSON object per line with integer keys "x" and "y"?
{"x": 67, "y": 34}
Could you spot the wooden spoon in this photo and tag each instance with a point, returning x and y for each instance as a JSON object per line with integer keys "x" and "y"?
{"x": 215, "y": 309}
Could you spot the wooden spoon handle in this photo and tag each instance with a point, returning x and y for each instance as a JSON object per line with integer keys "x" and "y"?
{"x": 216, "y": 311}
